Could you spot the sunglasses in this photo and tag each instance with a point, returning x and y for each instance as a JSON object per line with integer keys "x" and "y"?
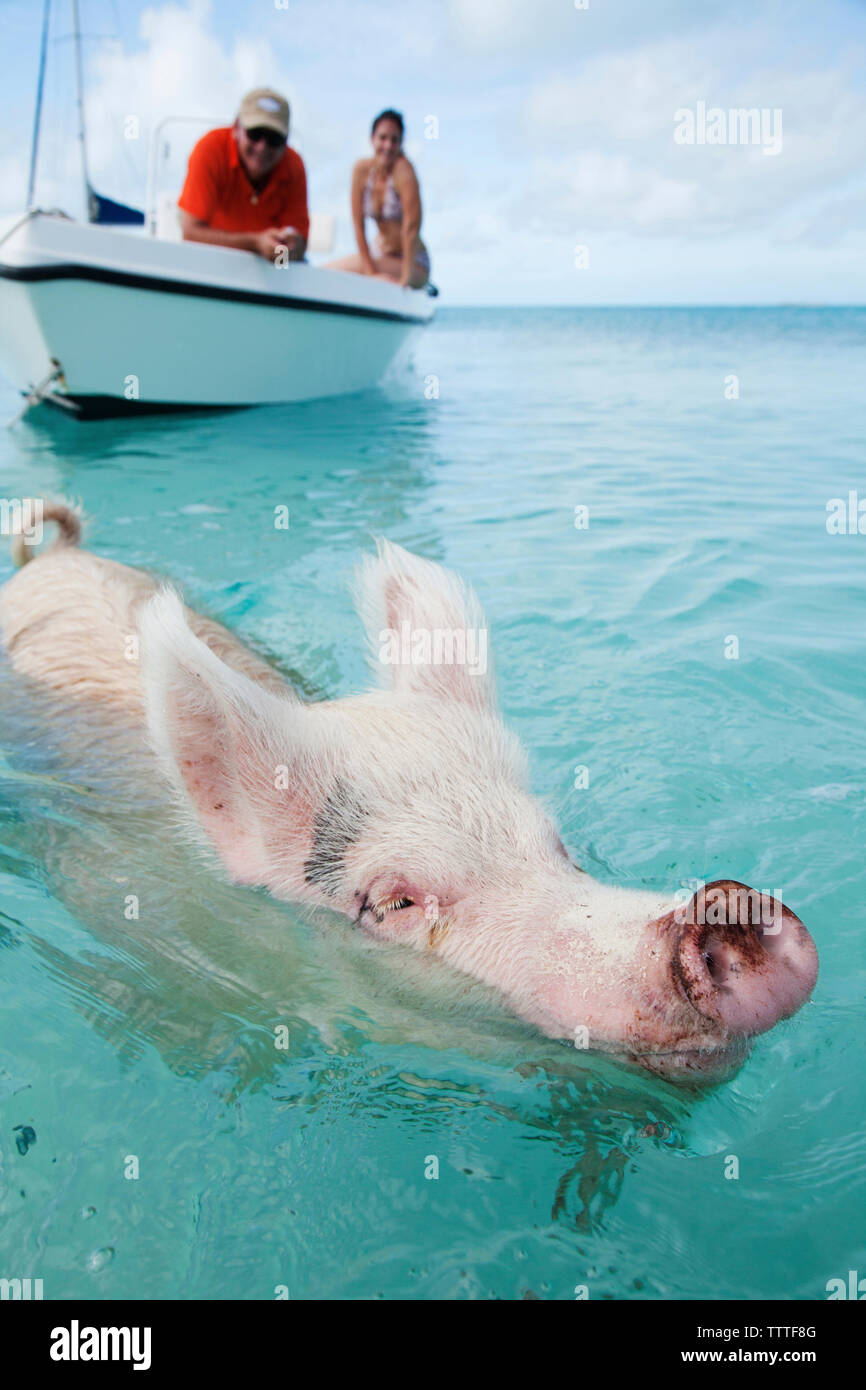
{"x": 272, "y": 138}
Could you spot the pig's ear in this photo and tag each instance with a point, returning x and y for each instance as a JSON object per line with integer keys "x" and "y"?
{"x": 426, "y": 629}
{"x": 224, "y": 743}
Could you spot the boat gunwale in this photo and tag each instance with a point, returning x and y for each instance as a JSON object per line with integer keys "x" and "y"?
{"x": 72, "y": 270}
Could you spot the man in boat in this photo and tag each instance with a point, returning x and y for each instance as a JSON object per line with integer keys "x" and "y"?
{"x": 245, "y": 187}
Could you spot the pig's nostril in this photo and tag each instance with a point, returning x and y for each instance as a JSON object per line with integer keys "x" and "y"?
{"x": 713, "y": 967}
{"x": 722, "y": 961}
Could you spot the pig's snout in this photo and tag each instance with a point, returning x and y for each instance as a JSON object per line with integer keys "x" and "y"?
{"x": 743, "y": 959}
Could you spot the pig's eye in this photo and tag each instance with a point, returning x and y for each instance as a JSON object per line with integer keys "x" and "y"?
{"x": 392, "y": 905}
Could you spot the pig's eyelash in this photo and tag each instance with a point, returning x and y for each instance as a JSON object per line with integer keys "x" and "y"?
{"x": 393, "y": 905}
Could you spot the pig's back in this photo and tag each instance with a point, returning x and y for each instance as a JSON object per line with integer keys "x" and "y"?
{"x": 69, "y": 619}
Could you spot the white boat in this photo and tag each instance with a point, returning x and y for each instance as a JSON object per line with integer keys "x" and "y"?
{"x": 108, "y": 322}
{"x": 105, "y": 322}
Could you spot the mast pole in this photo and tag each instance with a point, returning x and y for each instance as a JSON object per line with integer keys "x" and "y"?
{"x": 37, "y": 115}
{"x": 76, "y": 27}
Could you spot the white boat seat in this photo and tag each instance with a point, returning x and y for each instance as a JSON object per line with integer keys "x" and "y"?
{"x": 323, "y": 228}
{"x": 320, "y": 241}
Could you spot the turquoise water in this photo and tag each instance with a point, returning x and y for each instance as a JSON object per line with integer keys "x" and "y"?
{"x": 154, "y": 1038}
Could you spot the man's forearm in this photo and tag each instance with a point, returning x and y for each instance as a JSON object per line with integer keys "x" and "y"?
{"x": 200, "y": 231}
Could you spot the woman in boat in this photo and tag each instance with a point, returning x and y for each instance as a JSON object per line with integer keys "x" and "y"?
{"x": 385, "y": 187}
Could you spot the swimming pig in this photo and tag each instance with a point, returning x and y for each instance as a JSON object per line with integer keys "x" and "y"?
{"x": 407, "y": 808}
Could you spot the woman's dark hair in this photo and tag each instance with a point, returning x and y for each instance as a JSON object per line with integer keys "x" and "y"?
{"x": 388, "y": 116}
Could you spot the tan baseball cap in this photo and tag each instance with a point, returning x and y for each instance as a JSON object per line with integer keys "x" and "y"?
{"x": 264, "y": 107}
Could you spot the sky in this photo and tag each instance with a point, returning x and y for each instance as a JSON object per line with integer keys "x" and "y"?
{"x": 549, "y": 136}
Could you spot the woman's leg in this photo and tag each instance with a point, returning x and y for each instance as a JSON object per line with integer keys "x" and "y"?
{"x": 391, "y": 268}
{"x": 352, "y": 263}
{"x": 388, "y": 267}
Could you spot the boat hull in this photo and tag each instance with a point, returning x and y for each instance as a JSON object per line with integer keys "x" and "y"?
{"x": 130, "y": 324}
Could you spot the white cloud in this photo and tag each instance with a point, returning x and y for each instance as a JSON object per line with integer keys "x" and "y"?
{"x": 522, "y": 27}
{"x": 602, "y": 151}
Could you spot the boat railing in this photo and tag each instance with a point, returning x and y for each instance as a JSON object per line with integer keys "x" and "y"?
{"x": 157, "y": 156}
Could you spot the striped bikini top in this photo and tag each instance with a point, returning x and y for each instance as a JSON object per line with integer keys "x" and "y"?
{"x": 392, "y": 207}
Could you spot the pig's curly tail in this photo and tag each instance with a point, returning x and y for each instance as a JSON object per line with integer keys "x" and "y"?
{"x": 34, "y": 514}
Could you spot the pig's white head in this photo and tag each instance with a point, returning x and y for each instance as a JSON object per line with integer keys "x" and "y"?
{"x": 407, "y": 809}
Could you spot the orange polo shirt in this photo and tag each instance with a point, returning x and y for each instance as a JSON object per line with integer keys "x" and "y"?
{"x": 218, "y": 192}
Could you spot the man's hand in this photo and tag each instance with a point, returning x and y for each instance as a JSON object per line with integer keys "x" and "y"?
{"x": 268, "y": 243}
